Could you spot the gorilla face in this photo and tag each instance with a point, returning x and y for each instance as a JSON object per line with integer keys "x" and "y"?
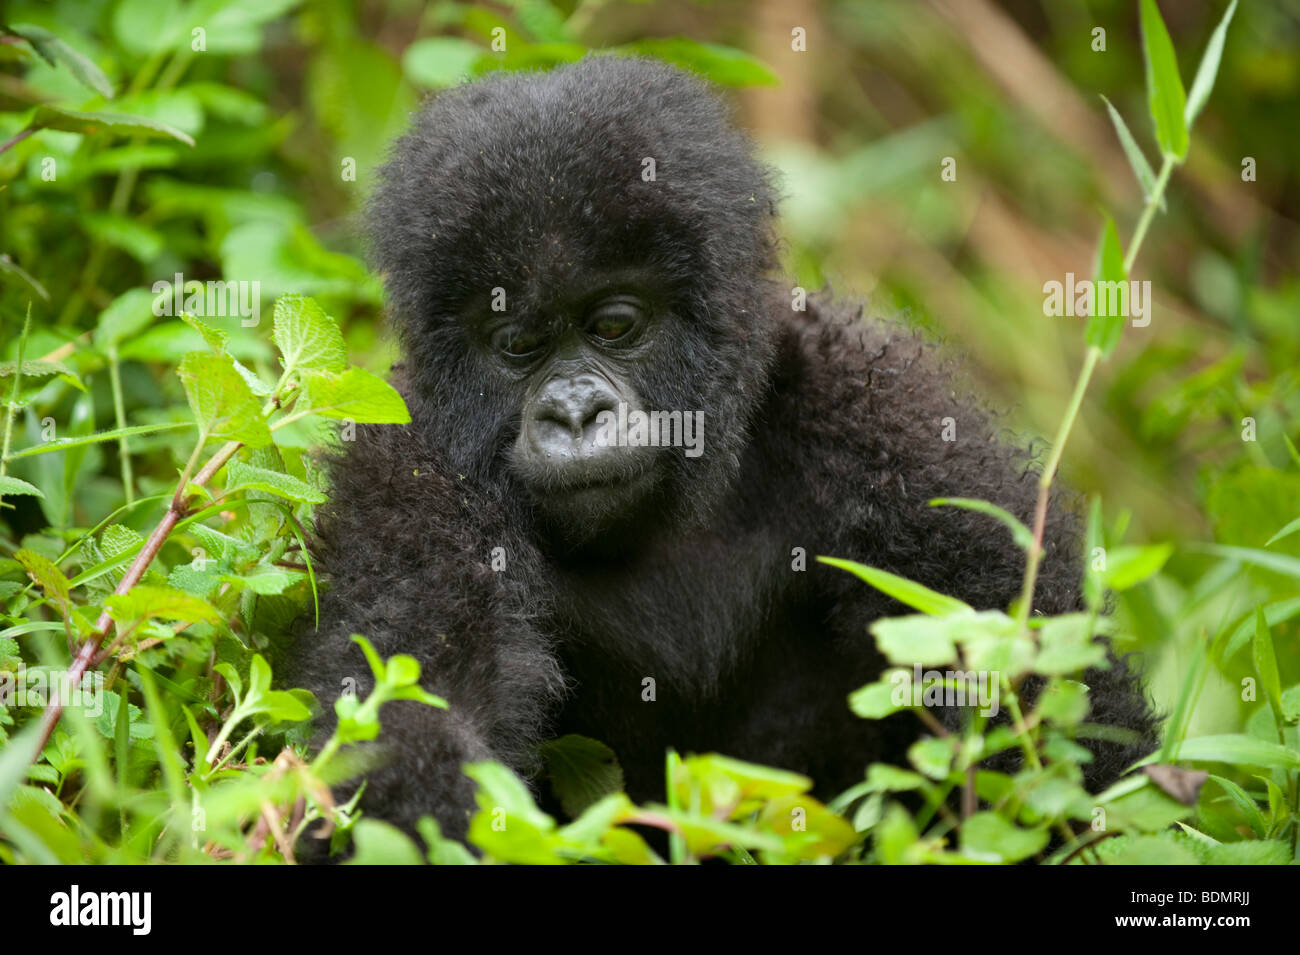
{"x": 582, "y": 250}
{"x": 576, "y": 382}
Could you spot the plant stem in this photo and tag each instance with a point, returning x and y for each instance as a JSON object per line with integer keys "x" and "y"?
{"x": 12, "y": 406}
{"x": 119, "y": 414}
{"x": 1091, "y": 359}
{"x": 175, "y": 511}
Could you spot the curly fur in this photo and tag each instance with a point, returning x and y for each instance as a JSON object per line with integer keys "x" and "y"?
{"x": 823, "y": 434}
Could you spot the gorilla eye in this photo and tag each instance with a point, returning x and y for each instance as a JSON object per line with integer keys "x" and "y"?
{"x": 516, "y": 342}
{"x": 614, "y": 320}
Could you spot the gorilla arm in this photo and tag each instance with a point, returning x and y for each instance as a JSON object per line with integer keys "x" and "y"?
{"x": 407, "y": 549}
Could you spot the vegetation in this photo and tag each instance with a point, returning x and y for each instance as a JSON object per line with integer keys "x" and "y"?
{"x": 157, "y": 485}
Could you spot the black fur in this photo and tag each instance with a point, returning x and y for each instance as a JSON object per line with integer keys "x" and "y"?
{"x": 823, "y": 432}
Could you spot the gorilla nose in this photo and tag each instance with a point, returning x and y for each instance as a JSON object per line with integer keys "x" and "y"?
{"x": 566, "y": 416}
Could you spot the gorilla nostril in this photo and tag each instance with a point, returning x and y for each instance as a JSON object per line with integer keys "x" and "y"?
{"x": 571, "y": 407}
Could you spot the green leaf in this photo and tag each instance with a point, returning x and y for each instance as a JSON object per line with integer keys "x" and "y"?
{"x": 62, "y": 444}
{"x": 265, "y": 579}
{"x": 380, "y": 843}
{"x": 582, "y": 771}
{"x": 933, "y": 757}
{"x": 1110, "y": 285}
{"x": 1165, "y": 96}
{"x": 1137, "y": 160}
{"x": 215, "y": 338}
{"x": 16, "y": 487}
{"x": 1128, "y": 566}
{"x": 723, "y": 65}
{"x": 1284, "y": 532}
{"x": 34, "y": 368}
{"x": 1266, "y": 664}
{"x": 986, "y": 835}
{"x": 915, "y": 595}
{"x": 145, "y": 601}
{"x": 1208, "y": 69}
{"x": 307, "y": 337}
{"x": 1280, "y": 563}
{"x": 916, "y": 639}
{"x": 1067, "y": 645}
{"x": 57, "y": 53}
{"x": 125, "y": 317}
{"x": 357, "y": 395}
{"x": 1236, "y": 750}
{"x": 70, "y": 121}
{"x": 440, "y": 61}
{"x": 1021, "y": 534}
{"x": 241, "y": 476}
{"x": 43, "y": 570}
{"x": 875, "y": 701}
{"x": 223, "y": 405}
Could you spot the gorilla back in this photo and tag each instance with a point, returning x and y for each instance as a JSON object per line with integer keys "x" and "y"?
{"x": 621, "y": 433}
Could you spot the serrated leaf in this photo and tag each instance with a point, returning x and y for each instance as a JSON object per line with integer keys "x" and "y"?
{"x": 224, "y": 407}
{"x": 1208, "y": 68}
{"x": 244, "y": 476}
{"x": 47, "y": 576}
{"x": 145, "y": 601}
{"x": 356, "y": 394}
{"x": 215, "y": 338}
{"x": 266, "y": 580}
{"x": 1165, "y": 96}
{"x": 582, "y": 771}
{"x": 12, "y": 486}
{"x": 307, "y": 337}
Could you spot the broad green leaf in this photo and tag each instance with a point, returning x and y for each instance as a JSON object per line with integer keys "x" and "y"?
{"x": 1208, "y": 69}
{"x": 933, "y": 757}
{"x": 916, "y": 596}
{"x": 223, "y": 405}
{"x": 307, "y": 337}
{"x": 70, "y": 121}
{"x": 1021, "y": 534}
{"x": 125, "y": 317}
{"x": 357, "y": 395}
{"x": 1242, "y": 800}
{"x": 440, "y": 61}
{"x": 266, "y": 580}
{"x": 57, "y": 53}
{"x": 1165, "y": 95}
{"x": 241, "y": 476}
{"x": 723, "y": 65}
{"x": 916, "y": 639}
{"x": 875, "y": 701}
{"x": 986, "y": 835}
{"x": 43, "y": 570}
{"x": 582, "y": 771}
{"x": 1128, "y": 566}
{"x": 144, "y": 601}
{"x": 380, "y": 843}
{"x": 1110, "y": 293}
{"x": 215, "y": 338}
{"x": 1137, "y": 159}
{"x": 34, "y": 368}
{"x": 12, "y": 486}
{"x": 1067, "y": 646}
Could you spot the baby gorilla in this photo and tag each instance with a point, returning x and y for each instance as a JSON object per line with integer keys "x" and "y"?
{"x": 624, "y": 440}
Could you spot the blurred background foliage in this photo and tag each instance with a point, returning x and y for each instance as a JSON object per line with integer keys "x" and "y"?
{"x": 287, "y": 96}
